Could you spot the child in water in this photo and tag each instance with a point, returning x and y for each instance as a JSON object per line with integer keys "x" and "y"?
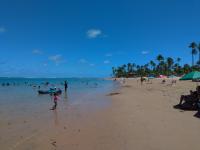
{"x": 55, "y": 99}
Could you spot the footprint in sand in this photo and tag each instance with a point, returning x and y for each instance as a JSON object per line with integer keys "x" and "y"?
{"x": 53, "y": 143}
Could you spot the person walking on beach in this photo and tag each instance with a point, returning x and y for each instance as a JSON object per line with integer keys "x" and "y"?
{"x": 141, "y": 80}
{"x": 55, "y": 99}
{"x": 66, "y": 86}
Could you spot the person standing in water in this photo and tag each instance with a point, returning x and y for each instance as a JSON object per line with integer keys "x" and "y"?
{"x": 66, "y": 86}
{"x": 55, "y": 100}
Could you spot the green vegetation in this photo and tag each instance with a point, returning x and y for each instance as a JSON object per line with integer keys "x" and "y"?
{"x": 161, "y": 65}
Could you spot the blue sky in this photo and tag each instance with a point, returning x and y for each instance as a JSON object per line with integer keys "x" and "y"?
{"x": 75, "y": 38}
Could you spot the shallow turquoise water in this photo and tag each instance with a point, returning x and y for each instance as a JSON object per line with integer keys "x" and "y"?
{"x": 23, "y": 112}
{"x": 22, "y": 94}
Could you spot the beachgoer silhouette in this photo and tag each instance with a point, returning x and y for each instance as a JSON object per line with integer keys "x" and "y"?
{"x": 66, "y": 86}
{"x": 141, "y": 80}
{"x": 163, "y": 81}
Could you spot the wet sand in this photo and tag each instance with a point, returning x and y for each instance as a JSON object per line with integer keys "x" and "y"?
{"x": 137, "y": 117}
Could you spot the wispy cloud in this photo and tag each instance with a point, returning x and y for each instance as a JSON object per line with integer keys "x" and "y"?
{"x": 109, "y": 55}
{"x": 83, "y": 61}
{"x": 37, "y": 52}
{"x": 106, "y": 62}
{"x": 2, "y": 29}
{"x": 93, "y": 33}
{"x": 56, "y": 58}
{"x": 145, "y": 52}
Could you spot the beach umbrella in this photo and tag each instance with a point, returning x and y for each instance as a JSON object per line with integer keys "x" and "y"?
{"x": 162, "y": 76}
{"x": 191, "y": 76}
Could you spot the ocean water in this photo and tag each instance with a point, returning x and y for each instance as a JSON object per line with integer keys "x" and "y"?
{"x": 24, "y": 113}
{"x": 22, "y": 93}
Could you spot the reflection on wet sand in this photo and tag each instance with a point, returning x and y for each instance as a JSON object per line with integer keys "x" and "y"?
{"x": 55, "y": 116}
{"x": 65, "y": 96}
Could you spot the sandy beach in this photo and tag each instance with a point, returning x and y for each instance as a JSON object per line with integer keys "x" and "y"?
{"x": 99, "y": 75}
{"x": 137, "y": 117}
{"x": 148, "y": 120}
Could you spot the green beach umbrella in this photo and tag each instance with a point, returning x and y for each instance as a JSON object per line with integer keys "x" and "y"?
{"x": 191, "y": 76}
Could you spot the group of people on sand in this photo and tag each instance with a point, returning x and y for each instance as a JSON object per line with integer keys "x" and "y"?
{"x": 144, "y": 79}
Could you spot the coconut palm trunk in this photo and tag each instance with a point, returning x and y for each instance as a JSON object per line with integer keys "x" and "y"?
{"x": 192, "y": 60}
{"x": 193, "y": 46}
{"x": 198, "y": 63}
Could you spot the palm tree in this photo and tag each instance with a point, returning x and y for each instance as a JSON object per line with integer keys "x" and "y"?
{"x": 124, "y": 70}
{"x": 138, "y": 67}
{"x": 176, "y": 68}
{"x": 186, "y": 68}
{"x": 178, "y": 59}
{"x": 114, "y": 71}
{"x": 198, "y": 47}
{"x": 193, "y": 45}
{"x": 170, "y": 63}
{"x": 160, "y": 58}
{"x": 152, "y": 63}
{"x": 130, "y": 68}
{"x": 198, "y": 63}
{"x": 133, "y": 66}
{"x": 194, "y": 52}
{"x": 119, "y": 72}
{"x": 160, "y": 66}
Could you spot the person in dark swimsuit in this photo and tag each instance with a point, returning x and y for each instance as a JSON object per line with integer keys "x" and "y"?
{"x": 66, "y": 86}
{"x": 192, "y": 98}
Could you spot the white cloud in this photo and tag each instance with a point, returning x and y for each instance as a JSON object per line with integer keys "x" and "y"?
{"x": 106, "y": 62}
{"x": 83, "y": 61}
{"x": 145, "y": 52}
{"x": 109, "y": 55}
{"x": 2, "y": 29}
{"x": 93, "y": 33}
{"x": 45, "y": 64}
{"x": 56, "y": 58}
{"x": 37, "y": 51}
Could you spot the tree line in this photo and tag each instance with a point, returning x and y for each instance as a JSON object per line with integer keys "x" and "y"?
{"x": 161, "y": 65}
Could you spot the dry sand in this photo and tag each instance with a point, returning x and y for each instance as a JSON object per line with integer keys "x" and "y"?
{"x": 141, "y": 117}
{"x": 147, "y": 119}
